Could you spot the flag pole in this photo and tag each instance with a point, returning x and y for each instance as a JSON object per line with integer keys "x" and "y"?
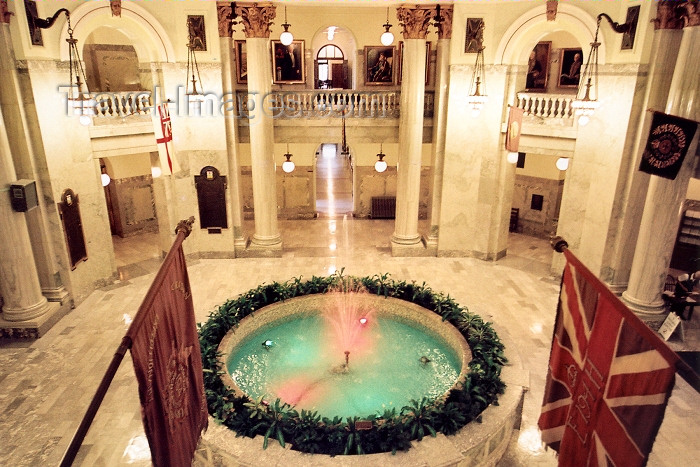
{"x": 682, "y": 368}
{"x": 183, "y": 229}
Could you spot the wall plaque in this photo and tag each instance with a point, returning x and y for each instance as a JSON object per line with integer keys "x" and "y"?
{"x": 69, "y": 210}
{"x": 211, "y": 197}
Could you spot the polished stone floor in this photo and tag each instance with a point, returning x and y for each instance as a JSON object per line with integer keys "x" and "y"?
{"x": 47, "y": 384}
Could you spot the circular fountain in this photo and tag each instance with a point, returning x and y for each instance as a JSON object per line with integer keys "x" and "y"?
{"x": 344, "y": 354}
{"x": 297, "y": 362}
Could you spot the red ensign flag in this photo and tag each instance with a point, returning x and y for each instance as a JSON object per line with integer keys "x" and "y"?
{"x": 609, "y": 378}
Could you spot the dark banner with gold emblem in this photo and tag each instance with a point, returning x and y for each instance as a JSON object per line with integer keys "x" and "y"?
{"x": 168, "y": 365}
{"x": 669, "y": 138}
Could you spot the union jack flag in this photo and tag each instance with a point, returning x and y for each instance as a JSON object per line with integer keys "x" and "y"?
{"x": 609, "y": 378}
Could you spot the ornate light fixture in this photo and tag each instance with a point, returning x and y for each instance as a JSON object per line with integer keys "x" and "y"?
{"x": 587, "y": 95}
{"x": 194, "y": 97}
{"x": 288, "y": 165}
{"x": 380, "y": 166}
{"x": 477, "y": 98}
{"x": 80, "y": 103}
{"x": 387, "y": 37}
{"x": 286, "y": 37}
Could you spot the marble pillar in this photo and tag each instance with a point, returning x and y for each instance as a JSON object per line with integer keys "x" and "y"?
{"x": 661, "y": 217}
{"x": 27, "y": 165}
{"x": 19, "y": 282}
{"x": 442, "y": 80}
{"x": 266, "y": 240}
{"x": 665, "y": 45}
{"x": 406, "y": 241}
{"x": 225, "y": 16}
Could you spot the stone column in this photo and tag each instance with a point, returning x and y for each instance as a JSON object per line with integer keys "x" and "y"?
{"x": 406, "y": 241}
{"x": 257, "y": 18}
{"x": 225, "y": 15}
{"x": 28, "y": 166}
{"x": 442, "y": 82}
{"x": 664, "y": 50}
{"x": 661, "y": 217}
{"x": 19, "y": 282}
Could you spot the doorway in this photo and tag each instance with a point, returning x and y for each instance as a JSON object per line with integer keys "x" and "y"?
{"x": 130, "y": 202}
{"x": 333, "y": 182}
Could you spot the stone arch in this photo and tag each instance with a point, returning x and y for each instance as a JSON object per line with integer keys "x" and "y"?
{"x": 528, "y": 29}
{"x": 147, "y": 35}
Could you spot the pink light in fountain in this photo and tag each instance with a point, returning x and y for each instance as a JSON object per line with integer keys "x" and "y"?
{"x": 349, "y": 323}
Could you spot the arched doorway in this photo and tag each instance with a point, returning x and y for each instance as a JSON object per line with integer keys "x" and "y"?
{"x": 331, "y": 68}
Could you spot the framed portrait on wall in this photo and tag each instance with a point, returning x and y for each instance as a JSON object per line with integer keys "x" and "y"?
{"x": 538, "y": 67}
{"x": 399, "y": 63}
{"x": 241, "y": 62}
{"x": 288, "y": 62}
{"x": 570, "y": 68}
{"x": 474, "y": 38}
{"x": 380, "y": 64}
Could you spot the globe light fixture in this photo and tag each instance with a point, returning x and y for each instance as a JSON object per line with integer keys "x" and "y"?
{"x": 380, "y": 166}
{"x": 105, "y": 179}
{"x": 288, "y": 165}
{"x": 562, "y": 163}
{"x": 387, "y": 37}
{"x": 512, "y": 157}
{"x": 286, "y": 37}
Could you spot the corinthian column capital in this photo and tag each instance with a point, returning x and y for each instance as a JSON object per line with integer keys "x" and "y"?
{"x": 224, "y": 13}
{"x": 256, "y": 18}
{"x": 415, "y": 21}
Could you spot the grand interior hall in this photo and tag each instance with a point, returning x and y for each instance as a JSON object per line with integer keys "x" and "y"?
{"x": 438, "y": 142}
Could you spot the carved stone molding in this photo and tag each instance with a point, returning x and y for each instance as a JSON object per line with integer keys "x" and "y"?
{"x": 116, "y": 7}
{"x": 224, "y": 13}
{"x": 552, "y": 10}
{"x": 667, "y": 16}
{"x": 444, "y": 28}
{"x": 690, "y": 12}
{"x": 415, "y": 21}
{"x": 4, "y": 12}
{"x": 256, "y": 18}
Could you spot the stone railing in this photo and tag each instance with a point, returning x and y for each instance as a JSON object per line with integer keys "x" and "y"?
{"x": 281, "y": 104}
{"x": 547, "y": 106}
{"x": 319, "y": 103}
{"x": 122, "y": 104}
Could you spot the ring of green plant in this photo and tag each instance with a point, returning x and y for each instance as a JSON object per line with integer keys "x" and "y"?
{"x": 391, "y": 431}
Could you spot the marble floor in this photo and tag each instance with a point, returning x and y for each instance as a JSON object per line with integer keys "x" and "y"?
{"x": 46, "y": 385}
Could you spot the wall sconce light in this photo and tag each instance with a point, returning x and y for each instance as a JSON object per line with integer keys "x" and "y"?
{"x": 387, "y": 37}
{"x": 156, "y": 171}
{"x": 331, "y": 32}
{"x": 286, "y": 37}
{"x": 288, "y": 165}
{"x": 194, "y": 97}
{"x": 562, "y": 163}
{"x": 105, "y": 179}
{"x": 512, "y": 157}
{"x": 587, "y": 95}
{"x": 477, "y": 98}
{"x": 380, "y": 166}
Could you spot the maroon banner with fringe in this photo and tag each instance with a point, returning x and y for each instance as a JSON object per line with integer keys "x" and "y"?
{"x": 515, "y": 124}
{"x": 168, "y": 364}
{"x": 609, "y": 380}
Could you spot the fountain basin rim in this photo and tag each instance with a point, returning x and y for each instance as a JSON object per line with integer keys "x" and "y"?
{"x": 394, "y": 307}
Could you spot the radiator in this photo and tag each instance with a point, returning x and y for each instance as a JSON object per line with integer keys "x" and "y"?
{"x": 383, "y": 207}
